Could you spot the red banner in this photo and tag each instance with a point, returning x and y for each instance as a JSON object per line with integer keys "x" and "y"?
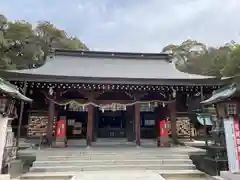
{"x": 61, "y": 129}
{"x": 163, "y": 128}
{"x": 237, "y": 138}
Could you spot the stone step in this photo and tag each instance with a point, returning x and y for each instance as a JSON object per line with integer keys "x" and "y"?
{"x": 118, "y": 155}
{"x": 187, "y": 176}
{"x": 194, "y": 174}
{"x": 110, "y": 153}
{"x": 48, "y": 177}
{"x": 75, "y": 168}
{"x": 112, "y": 157}
{"x": 112, "y": 162}
{"x": 162, "y": 172}
{"x": 114, "y": 152}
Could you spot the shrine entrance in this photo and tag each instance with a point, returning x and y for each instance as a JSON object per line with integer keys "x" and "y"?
{"x": 112, "y": 124}
{"x": 76, "y": 125}
{"x": 112, "y": 117}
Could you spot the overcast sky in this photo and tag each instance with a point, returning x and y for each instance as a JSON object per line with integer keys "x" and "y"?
{"x": 134, "y": 25}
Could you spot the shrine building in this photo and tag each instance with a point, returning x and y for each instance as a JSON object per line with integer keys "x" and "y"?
{"x": 107, "y": 94}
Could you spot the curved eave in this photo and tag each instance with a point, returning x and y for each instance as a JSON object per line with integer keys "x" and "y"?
{"x": 220, "y": 96}
{"x": 10, "y": 90}
{"x": 16, "y": 76}
{"x": 207, "y": 119}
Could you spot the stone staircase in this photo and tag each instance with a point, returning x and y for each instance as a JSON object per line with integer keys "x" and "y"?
{"x": 164, "y": 160}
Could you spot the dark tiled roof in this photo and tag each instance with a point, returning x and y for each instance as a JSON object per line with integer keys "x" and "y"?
{"x": 111, "y": 65}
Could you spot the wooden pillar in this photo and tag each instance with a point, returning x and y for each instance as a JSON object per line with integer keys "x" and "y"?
{"x": 130, "y": 122}
{"x": 204, "y": 119}
{"x": 21, "y": 115}
{"x": 51, "y": 114}
{"x": 95, "y": 124}
{"x": 220, "y": 110}
{"x": 90, "y": 125}
{"x": 137, "y": 124}
{"x": 91, "y": 130}
{"x": 173, "y": 118}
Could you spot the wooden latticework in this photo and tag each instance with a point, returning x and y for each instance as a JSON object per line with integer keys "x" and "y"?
{"x": 10, "y": 149}
{"x": 184, "y": 127}
{"x": 38, "y": 125}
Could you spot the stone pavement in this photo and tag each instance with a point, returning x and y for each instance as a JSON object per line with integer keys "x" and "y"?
{"x": 117, "y": 175}
{"x": 4, "y": 177}
{"x": 122, "y": 175}
{"x": 101, "y": 175}
{"x": 227, "y": 175}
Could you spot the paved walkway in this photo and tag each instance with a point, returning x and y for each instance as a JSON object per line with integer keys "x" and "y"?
{"x": 230, "y": 176}
{"x": 103, "y": 175}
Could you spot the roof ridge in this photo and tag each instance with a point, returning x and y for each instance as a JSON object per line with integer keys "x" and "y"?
{"x": 109, "y": 54}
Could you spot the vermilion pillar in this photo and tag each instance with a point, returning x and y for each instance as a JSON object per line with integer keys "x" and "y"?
{"x": 137, "y": 124}
{"x": 90, "y": 125}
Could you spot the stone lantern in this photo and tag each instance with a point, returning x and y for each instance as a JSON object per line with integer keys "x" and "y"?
{"x": 9, "y": 94}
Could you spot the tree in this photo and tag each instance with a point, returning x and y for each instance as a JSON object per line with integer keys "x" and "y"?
{"x": 29, "y": 51}
{"x": 186, "y": 50}
{"x": 232, "y": 66}
{"x": 22, "y": 46}
{"x": 51, "y": 37}
{"x": 196, "y": 58}
{"x": 5, "y": 62}
{"x": 71, "y": 43}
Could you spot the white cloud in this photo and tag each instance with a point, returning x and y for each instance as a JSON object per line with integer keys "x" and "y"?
{"x": 151, "y": 25}
{"x": 137, "y": 25}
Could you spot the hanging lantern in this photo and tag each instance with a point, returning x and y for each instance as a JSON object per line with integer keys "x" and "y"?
{"x": 163, "y": 104}
{"x": 113, "y": 107}
{"x": 156, "y": 104}
{"x": 149, "y": 104}
{"x": 50, "y": 92}
{"x": 174, "y": 93}
{"x": 102, "y": 110}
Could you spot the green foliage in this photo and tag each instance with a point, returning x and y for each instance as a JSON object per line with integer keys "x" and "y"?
{"x": 232, "y": 66}
{"x": 22, "y": 46}
{"x": 196, "y": 58}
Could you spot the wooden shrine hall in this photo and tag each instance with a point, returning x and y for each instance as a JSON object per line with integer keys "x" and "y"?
{"x": 106, "y": 94}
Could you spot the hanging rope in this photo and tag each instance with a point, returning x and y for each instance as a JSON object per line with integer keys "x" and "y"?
{"x": 103, "y": 106}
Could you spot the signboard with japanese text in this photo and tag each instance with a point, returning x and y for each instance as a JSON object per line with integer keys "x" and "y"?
{"x": 163, "y": 133}
{"x": 231, "y": 128}
{"x": 61, "y": 129}
{"x": 237, "y": 139}
{"x": 163, "y": 128}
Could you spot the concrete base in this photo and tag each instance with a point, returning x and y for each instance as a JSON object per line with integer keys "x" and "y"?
{"x": 100, "y": 175}
{"x": 227, "y": 175}
{"x": 15, "y": 168}
{"x": 4, "y": 177}
{"x": 59, "y": 144}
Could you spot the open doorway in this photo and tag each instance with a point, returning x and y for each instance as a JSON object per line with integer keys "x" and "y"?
{"x": 76, "y": 125}
{"x": 112, "y": 124}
